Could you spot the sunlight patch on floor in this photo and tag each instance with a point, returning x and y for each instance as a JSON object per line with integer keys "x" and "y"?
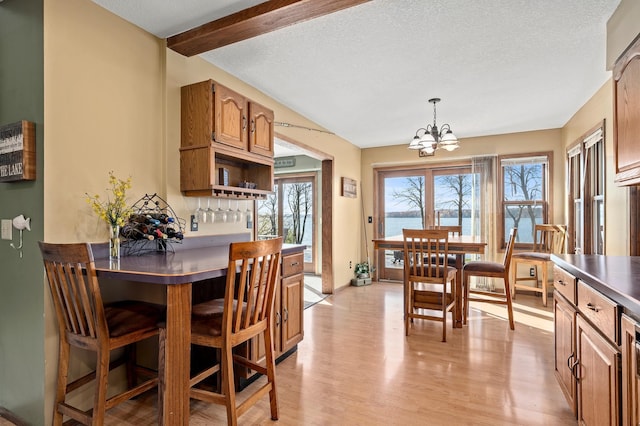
{"x": 527, "y": 310}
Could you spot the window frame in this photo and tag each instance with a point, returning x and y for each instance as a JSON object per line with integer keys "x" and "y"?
{"x": 545, "y": 201}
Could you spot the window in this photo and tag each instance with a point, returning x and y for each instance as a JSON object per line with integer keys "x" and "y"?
{"x": 524, "y": 195}
{"x": 585, "y": 171}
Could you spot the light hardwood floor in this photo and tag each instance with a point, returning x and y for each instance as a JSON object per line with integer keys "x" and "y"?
{"x": 356, "y": 367}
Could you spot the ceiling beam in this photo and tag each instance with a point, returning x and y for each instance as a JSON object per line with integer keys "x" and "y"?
{"x": 254, "y": 21}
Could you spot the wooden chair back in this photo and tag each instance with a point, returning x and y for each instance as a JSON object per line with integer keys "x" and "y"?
{"x": 75, "y": 292}
{"x": 454, "y": 230}
{"x": 549, "y": 238}
{"x": 508, "y": 251}
{"x": 423, "y": 249}
{"x": 253, "y": 273}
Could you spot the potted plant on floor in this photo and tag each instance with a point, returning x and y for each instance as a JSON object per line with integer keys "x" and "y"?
{"x": 362, "y": 271}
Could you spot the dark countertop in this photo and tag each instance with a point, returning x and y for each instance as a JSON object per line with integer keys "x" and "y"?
{"x": 617, "y": 277}
{"x": 196, "y": 260}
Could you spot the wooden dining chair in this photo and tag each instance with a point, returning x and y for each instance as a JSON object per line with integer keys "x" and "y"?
{"x": 428, "y": 285}
{"x": 481, "y": 268}
{"x": 86, "y": 323}
{"x": 454, "y": 231}
{"x": 548, "y": 239}
{"x": 252, "y": 277}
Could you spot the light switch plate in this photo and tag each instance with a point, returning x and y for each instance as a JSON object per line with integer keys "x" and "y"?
{"x": 7, "y": 229}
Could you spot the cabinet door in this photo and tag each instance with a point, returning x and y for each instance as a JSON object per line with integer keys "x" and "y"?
{"x": 260, "y": 130}
{"x": 230, "y": 117}
{"x": 627, "y": 116}
{"x": 630, "y": 415}
{"x": 597, "y": 372}
{"x": 292, "y": 310}
{"x": 565, "y": 354}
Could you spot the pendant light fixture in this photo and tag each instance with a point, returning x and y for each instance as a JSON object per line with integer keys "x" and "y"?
{"x": 429, "y": 139}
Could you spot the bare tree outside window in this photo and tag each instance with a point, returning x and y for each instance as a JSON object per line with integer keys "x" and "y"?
{"x": 299, "y": 200}
{"x": 453, "y": 196}
{"x": 524, "y": 198}
{"x": 268, "y": 216}
{"x": 412, "y": 195}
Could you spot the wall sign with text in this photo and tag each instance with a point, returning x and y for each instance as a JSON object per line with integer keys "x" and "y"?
{"x": 18, "y": 151}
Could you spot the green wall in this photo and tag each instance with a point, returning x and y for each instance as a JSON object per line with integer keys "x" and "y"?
{"x": 22, "y": 279}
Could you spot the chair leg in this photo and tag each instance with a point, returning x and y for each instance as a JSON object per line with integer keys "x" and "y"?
{"x": 228, "y": 386}
{"x": 61, "y": 387}
{"x": 271, "y": 373}
{"x": 407, "y": 308}
{"x": 544, "y": 284}
{"x": 102, "y": 379}
{"x": 130, "y": 356}
{"x": 514, "y": 278}
{"x": 465, "y": 290}
{"x": 507, "y": 293}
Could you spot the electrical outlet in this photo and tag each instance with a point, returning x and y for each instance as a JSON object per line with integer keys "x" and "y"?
{"x": 532, "y": 272}
{"x": 194, "y": 223}
{"x": 7, "y": 229}
{"x": 350, "y": 264}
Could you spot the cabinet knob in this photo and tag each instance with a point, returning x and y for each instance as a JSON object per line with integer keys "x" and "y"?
{"x": 278, "y": 318}
{"x": 295, "y": 263}
{"x": 286, "y": 314}
{"x": 562, "y": 282}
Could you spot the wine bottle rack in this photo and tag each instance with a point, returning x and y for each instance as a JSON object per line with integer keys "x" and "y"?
{"x": 147, "y": 207}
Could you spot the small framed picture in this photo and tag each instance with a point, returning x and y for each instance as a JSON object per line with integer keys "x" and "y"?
{"x": 349, "y": 188}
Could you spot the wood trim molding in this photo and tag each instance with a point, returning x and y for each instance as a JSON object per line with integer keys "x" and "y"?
{"x": 251, "y": 22}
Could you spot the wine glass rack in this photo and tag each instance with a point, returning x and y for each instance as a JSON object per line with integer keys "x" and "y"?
{"x": 153, "y": 226}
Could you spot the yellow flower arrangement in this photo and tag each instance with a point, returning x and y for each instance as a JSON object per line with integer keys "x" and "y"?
{"x": 113, "y": 211}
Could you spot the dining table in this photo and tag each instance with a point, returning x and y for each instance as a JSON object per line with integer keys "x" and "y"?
{"x": 459, "y": 245}
{"x": 177, "y": 270}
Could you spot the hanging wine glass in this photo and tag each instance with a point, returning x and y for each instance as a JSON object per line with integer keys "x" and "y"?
{"x": 210, "y": 213}
{"x": 239, "y": 213}
{"x": 220, "y": 215}
{"x": 200, "y": 215}
{"x": 231, "y": 215}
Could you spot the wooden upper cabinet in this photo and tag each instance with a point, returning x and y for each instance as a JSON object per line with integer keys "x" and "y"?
{"x": 230, "y": 115}
{"x": 260, "y": 129}
{"x": 215, "y": 156}
{"x": 626, "y": 75}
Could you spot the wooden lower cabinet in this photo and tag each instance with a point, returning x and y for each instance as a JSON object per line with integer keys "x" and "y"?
{"x": 565, "y": 349}
{"x": 597, "y": 374}
{"x": 288, "y": 325}
{"x": 630, "y": 380}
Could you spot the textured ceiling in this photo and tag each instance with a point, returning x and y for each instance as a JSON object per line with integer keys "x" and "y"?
{"x": 366, "y": 73}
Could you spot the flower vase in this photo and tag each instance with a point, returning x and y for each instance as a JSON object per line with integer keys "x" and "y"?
{"x": 114, "y": 242}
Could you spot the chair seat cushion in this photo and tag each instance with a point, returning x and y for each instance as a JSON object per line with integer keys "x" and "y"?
{"x": 127, "y": 316}
{"x": 532, "y": 255}
{"x": 482, "y": 266}
{"x": 210, "y": 308}
{"x": 210, "y": 323}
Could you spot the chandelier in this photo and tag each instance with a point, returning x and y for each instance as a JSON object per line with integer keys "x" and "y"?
{"x": 432, "y": 138}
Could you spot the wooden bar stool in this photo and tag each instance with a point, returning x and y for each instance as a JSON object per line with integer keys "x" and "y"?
{"x": 487, "y": 269}
{"x": 255, "y": 284}
{"x": 86, "y": 323}
{"x": 548, "y": 239}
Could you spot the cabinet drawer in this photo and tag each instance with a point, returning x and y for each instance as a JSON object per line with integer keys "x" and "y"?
{"x": 292, "y": 264}
{"x": 564, "y": 283}
{"x": 601, "y": 311}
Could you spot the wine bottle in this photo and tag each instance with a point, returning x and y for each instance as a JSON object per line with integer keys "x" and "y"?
{"x": 172, "y": 233}
{"x": 162, "y": 217}
{"x": 159, "y": 234}
{"x": 143, "y": 232}
{"x": 131, "y": 232}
